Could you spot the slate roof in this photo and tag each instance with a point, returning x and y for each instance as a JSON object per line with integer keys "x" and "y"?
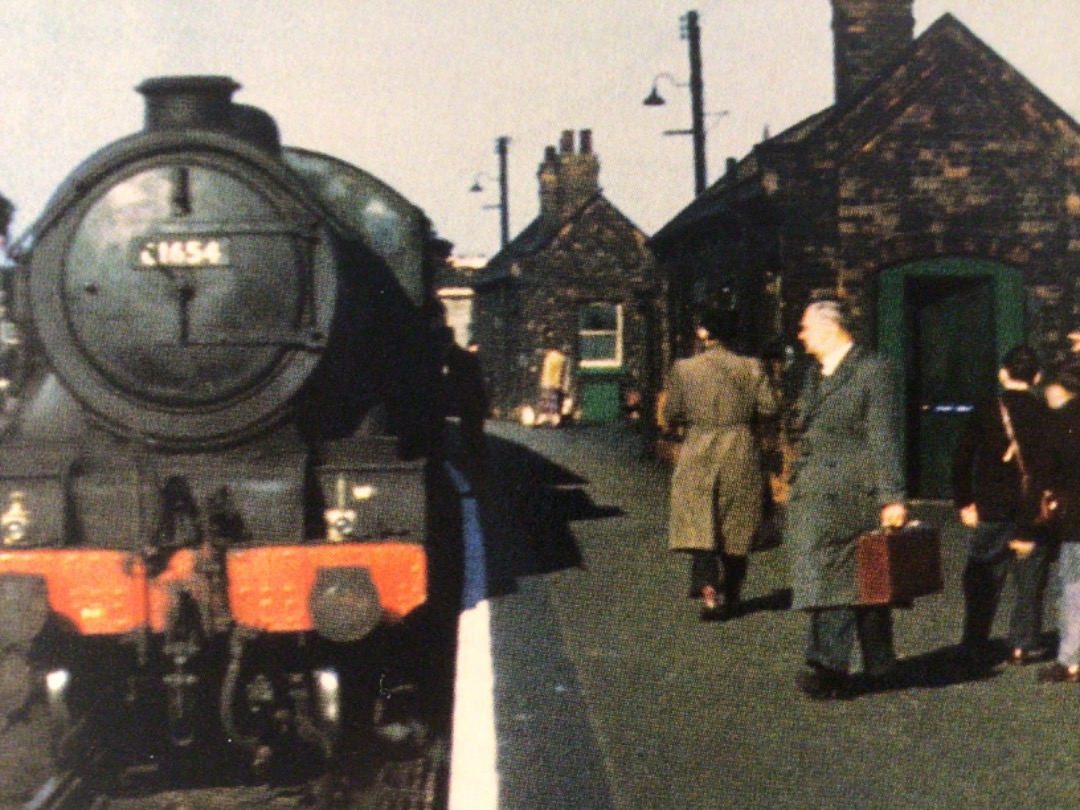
{"x": 532, "y": 241}
{"x": 854, "y": 122}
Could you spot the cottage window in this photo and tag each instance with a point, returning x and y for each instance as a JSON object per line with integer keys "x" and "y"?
{"x": 600, "y": 328}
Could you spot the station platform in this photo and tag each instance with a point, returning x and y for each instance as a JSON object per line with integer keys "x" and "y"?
{"x": 602, "y": 689}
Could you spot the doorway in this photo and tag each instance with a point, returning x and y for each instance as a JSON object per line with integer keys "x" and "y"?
{"x": 944, "y": 325}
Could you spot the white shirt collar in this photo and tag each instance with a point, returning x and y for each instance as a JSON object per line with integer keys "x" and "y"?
{"x": 833, "y": 359}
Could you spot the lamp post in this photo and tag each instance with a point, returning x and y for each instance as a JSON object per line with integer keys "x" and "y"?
{"x": 691, "y": 32}
{"x": 501, "y": 149}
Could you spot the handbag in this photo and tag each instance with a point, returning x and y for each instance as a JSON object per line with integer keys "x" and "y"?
{"x": 1050, "y": 509}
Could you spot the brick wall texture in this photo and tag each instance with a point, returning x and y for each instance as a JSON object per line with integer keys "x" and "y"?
{"x": 949, "y": 154}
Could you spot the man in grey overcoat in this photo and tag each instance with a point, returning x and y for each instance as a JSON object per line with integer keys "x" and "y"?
{"x": 847, "y": 478}
{"x": 717, "y": 485}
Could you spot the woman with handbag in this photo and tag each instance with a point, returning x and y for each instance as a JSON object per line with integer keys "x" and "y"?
{"x": 1062, "y": 395}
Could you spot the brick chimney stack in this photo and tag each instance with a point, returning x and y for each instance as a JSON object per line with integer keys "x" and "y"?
{"x": 548, "y": 175}
{"x": 568, "y": 179}
{"x": 566, "y": 142}
{"x": 868, "y": 36}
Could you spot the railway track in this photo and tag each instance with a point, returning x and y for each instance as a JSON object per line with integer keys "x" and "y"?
{"x": 416, "y": 782}
{"x": 63, "y": 792}
{"x": 71, "y": 789}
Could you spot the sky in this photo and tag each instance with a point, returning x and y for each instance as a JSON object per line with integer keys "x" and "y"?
{"x": 417, "y": 91}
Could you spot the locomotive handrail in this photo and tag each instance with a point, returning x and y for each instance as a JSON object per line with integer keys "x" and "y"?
{"x": 256, "y": 227}
{"x": 300, "y": 342}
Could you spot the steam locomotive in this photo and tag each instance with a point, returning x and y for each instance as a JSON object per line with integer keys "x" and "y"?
{"x": 215, "y": 478}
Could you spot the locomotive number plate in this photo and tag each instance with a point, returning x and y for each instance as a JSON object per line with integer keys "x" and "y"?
{"x": 181, "y": 252}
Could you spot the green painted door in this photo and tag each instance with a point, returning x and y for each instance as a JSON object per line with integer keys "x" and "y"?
{"x": 601, "y": 402}
{"x": 945, "y": 325}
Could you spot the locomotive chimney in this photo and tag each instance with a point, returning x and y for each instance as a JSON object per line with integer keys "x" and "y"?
{"x": 182, "y": 102}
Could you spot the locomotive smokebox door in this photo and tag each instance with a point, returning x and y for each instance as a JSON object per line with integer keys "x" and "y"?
{"x": 186, "y": 293}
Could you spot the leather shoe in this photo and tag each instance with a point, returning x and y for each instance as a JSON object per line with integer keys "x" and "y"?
{"x": 1057, "y": 673}
{"x": 1020, "y": 657}
{"x": 714, "y": 613}
{"x": 722, "y": 611}
{"x": 713, "y": 608}
{"x": 822, "y": 683}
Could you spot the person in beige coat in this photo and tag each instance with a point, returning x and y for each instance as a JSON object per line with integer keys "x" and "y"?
{"x": 717, "y": 485}
{"x": 554, "y": 385}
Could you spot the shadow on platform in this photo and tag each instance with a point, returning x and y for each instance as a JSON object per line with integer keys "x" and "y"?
{"x": 527, "y": 504}
{"x": 778, "y": 600}
{"x": 937, "y": 669}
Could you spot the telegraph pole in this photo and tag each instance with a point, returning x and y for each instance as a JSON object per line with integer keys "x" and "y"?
{"x": 692, "y": 34}
{"x": 501, "y": 149}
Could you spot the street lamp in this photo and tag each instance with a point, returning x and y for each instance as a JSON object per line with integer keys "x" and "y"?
{"x": 501, "y": 148}
{"x": 692, "y": 34}
{"x": 654, "y": 99}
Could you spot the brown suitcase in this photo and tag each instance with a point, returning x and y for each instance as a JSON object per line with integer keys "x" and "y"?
{"x": 894, "y": 566}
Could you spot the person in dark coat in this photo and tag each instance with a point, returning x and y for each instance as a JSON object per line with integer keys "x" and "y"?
{"x": 464, "y": 393}
{"x": 471, "y": 398}
{"x": 988, "y": 468}
{"x": 1063, "y": 396}
{"x": 846, "y": 479}
{"x": 716, "y": 487}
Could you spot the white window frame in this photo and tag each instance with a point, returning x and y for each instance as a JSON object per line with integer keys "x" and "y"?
{"x": 606, "y": 363}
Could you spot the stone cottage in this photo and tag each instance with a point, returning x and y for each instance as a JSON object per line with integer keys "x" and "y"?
{"x": 939, "y": 195}
{"x": 580, "y": 278}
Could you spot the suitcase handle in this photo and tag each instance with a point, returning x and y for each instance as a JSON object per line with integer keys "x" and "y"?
{"x": 911, "y": 524}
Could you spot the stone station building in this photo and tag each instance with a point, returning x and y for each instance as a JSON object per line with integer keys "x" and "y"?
{"x": 939, "y": 196}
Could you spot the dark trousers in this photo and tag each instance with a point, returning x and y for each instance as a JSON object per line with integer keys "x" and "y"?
{"x": 832, "y": 633}
{"x": 705, "y": 570}
{"x": 989, "y": 561}
{"x": 472, "y": 437}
